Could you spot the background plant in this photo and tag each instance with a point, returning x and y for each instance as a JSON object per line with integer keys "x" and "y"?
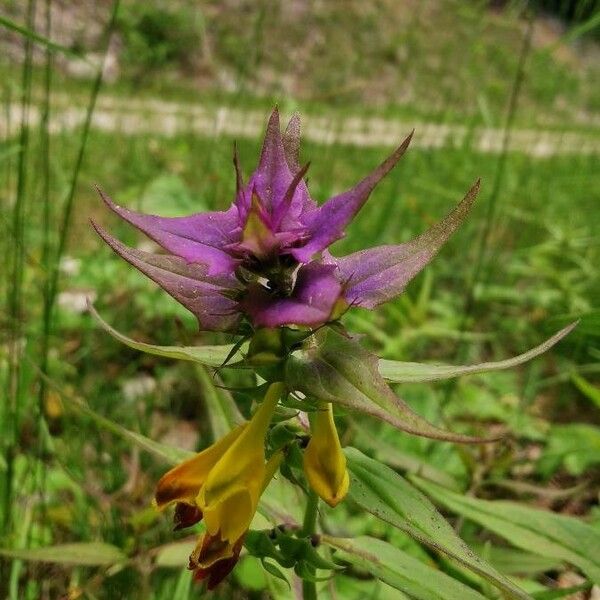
{"x": 69, "y": 482}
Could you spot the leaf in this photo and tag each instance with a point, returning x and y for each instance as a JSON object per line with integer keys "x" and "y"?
{"x": 174, "y": 555}
{"x": 274, "y": 570}
{"x": 529, "y": 489}
{"x": 575, "y": 32}
{"x": 538, "y": 531}
{"x": 82, "y": 553}
{"x": 337, "y": 369}
{"x": 212, "y": 356}
{"x": 410, "y": 372}
{"x": 169, "y": 454}
{"x": 576, "y": 446}
{"x": 516, "y": 562}
{"x": 222, "y": 410}
{"x": 37, "y": 38}
{"x": 350, "y": 588}
{"x": 391, "y": 498}
{"x": 281, "y": 503}
{"x": 399, "y": 569}
{"x": 562, "y": 592}
{"x": 587, "y": 389}
{"x": 397, "y": 459}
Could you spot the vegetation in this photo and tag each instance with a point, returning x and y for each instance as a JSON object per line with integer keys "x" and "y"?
{"x": 523, "y": 266}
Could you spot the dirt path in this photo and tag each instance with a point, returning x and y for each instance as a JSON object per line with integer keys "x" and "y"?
{"x": 162, "y": 118}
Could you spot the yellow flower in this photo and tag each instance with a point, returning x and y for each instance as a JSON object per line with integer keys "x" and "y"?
{"x": 214, "y": 557}
{"x": 324, "y": 461}
{"x": 222, "y": 485}
{"x": 229, "y": 497}
{"x": 183, "y": 482}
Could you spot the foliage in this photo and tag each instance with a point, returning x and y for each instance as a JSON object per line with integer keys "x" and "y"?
{"x": 156, "y": 35}
{"x": 83, "y": 447}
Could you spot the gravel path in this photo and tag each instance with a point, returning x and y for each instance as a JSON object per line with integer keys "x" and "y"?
{"x": 162, "y": 118}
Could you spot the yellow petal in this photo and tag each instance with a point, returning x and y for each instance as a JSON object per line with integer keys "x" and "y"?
{"x": 256, "y": 235}
{"x": 324, "y": 461}
{"x": 183, "y": 482}
{"x": 229, "y": 497}
{"x": 231, "y": 516}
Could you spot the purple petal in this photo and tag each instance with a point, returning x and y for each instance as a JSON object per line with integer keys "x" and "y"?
{"x": 198, "y": 238}
{"x": 327, "y": 223}
{"x": 282, "y": 213}
{"x": 274, "y": 174}
{"x": 291, "y": 143}
{"x": 379, "y": 274}
{"x": 189, "y": 284}
{"x": 314, "y": 297}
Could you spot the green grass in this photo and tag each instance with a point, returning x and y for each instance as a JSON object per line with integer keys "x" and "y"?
{"x": 541, "y": 270}
{"x": 72, "y": 480}
{"x": 380, "y": 60}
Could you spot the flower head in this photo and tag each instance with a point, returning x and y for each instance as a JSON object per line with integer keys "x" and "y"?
{"x": 265, "y": 258}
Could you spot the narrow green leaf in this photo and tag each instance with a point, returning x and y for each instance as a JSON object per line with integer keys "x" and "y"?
{"x": 82, "y": 553}
{"x": 274, "y": 570}
{"x": 571, "y": 592}
{"x": 587, "y": 389}
{"x": 174, "y": 555}
{"x": 542, "y": 532}
{"x": 391, "y": 498}
{"x": 410, "y": 372}
{"x": 335, "y": 368}
{"x": 577, "y": 31}
{"x": 184, "y": 585}
{"x": 169, "y": 454}
{"x": 212, "y": 356}
{"x": 350, "y": 588}
{"x": 397, "y": 459}
{"x": 222, "y": 410}
{"x": 37, "y": 38}
{"x": 516, "y": 562}
{"x": 399, "y": 569}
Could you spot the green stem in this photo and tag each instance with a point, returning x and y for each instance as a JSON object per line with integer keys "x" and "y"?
{"x": 309, "y": 526}
{"x": 311, "y": 512}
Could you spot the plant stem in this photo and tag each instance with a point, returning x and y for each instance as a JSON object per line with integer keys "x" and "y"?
{"x": 311, "y": 511}
{"x": 309, "y": 526}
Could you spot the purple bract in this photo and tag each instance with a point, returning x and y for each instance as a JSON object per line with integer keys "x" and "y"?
{"x": 266, "y": 258}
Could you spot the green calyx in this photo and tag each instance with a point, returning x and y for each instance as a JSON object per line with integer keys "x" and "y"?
{"x": 269, "y": 350}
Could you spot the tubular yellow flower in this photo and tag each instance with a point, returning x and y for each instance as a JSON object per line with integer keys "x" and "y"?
{"x": 183, "y": 482}
{"x": 324, "y": 461}
{"x": 229, "y": 497}
{"x": 214, "y": 557}
{"x": 222, "y": 485}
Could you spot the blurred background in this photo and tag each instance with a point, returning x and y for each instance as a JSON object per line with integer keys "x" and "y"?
{"x": 145, "y": 99}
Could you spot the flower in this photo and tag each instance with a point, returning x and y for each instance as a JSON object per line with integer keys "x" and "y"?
{"x": 324, "y": 461}
{"x": 222, "y": 486}
{"x": 229, "y": 497}
{"x": 266, "y": 259}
